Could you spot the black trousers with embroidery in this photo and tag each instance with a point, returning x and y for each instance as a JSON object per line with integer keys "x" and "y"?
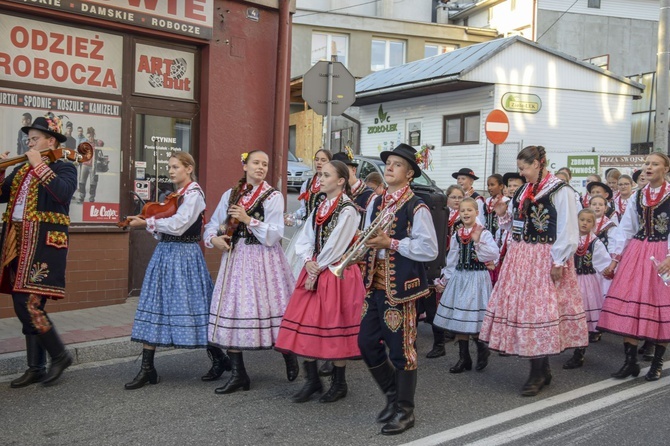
{"x": 29, "y": 308}
{"x": 385, "y": 325}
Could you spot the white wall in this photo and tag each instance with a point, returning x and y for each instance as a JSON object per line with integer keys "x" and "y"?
{"x": 630, "y": 9}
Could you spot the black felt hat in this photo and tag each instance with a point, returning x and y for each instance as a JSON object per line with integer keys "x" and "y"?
{"x": 342, "y": 156}
{"x": 408, "y": 153}
{"x": 43, "y": 125}
{"x": 512, "y": 175}
{"x": 467, "y": 172}
{"x": 603, "y": 185}
{"x": 636, "y": 175}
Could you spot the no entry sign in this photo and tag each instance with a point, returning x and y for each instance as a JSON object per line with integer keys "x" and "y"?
{"x": 497, "y": 126}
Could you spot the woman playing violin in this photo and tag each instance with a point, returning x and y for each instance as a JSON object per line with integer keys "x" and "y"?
{"x": 255, "y": 280}
{"x": 177, "y": 288}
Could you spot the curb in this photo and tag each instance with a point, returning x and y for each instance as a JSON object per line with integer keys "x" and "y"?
{"x": 84, "y": 352}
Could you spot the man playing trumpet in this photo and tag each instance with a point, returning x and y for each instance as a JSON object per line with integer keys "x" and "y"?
{"x": 394, "y": 277}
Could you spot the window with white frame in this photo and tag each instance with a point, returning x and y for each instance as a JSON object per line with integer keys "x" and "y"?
{"x": 433, "y": 49}
{"x": 324, "y": 46}
{"x": 387, "y": 54}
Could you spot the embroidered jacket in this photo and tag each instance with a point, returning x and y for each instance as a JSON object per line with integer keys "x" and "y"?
{"x": 43, "y": 236}
{"x": 406, "y": 279}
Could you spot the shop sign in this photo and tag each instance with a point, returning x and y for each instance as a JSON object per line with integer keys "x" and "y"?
{"x": 186, "y": 17}
{"x": 382, "y": 123}
{"x": 101, "y": 119}
{"x": 42, "y": 53}
{"x": 583, "y": 165}
{"x": 521, "y": 102}
{"x": 164, "y": 72}
{"x": 626, "y": 164}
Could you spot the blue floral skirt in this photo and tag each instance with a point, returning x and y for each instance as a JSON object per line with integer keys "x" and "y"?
{"x": 176, "y": 293}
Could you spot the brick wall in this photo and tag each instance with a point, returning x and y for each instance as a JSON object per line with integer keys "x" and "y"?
{"x": 97, "y": 273}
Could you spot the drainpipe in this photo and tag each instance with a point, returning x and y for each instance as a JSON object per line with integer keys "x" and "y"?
{"x": 280, "y": 140}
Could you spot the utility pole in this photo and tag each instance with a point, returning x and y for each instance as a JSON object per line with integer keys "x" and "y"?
{"x": 662, "y": 80}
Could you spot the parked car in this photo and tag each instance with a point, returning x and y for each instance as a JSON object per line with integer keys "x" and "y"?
{"x": 298, "y": 172}
{"x": 431, "y": 194}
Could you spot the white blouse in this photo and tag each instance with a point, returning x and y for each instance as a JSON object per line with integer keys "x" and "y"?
{"x": 268, "y": 232}
{"x": 487, "y": 251}
{"x": 336, "y": 244}
{"x": 601, "y": 258}
{"x": 630, "y": 223}
{"x": 192, "y": 205}
{"x": 567, "y": 227}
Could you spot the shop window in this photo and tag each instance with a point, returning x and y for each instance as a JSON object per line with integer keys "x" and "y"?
{"x": 433, "y": 49}
{"x": 387, "y": 54}
{"x": 325, "y": 46}
{"x": 461, "y": 129}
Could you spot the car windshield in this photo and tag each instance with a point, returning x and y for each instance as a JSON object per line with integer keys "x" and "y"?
{"x": 292, "y": 157}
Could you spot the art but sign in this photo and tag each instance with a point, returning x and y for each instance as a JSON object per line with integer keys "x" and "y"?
{"x": 164, "y": 72}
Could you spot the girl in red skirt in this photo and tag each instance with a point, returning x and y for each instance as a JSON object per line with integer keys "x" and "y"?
{"x": 323, "y": 316}
{"x": 636, "y": 305}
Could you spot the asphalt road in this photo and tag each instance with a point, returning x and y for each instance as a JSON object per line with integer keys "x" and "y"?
{"x": 583, "y": 406}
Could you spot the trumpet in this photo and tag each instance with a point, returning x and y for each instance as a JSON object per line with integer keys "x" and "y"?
{"x": 356, "y": 251}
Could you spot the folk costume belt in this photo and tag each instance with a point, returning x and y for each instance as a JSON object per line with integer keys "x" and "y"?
{"x": 379, "y": 278}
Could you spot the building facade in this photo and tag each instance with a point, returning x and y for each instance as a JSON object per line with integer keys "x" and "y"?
{"x": 141, "y": 80}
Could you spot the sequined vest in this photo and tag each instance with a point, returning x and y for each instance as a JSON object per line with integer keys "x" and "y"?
{"x": 406, "y": 278}
{"x": 584, "y": 264}
{"x": 322, "y": 232}
{"x": 255, "y": 211}
{"x": 540, "y": 223}
{"x": 653, "y": 221}
{"x": 467, "y": 257}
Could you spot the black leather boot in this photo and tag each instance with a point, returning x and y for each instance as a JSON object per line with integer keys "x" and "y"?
{"x": 577, "y": 359}
{"x": 292, "y": 367}
{"x": 483, "y": 354}
{"x": 630, "y": 365}
{"x": 647, "y": 351}
{"x": 326, "y": 368}
{"x": 464, "y": 359}
{"x": 540, "y": 375}
{"x": 147, "y": 373}
{"x": 438, "y": 343}
{"x": 656, "y": 368}
{"x": 338, "y": 386}
{"x": 37, "y": 362}
{"x": 384, "y": 375}
{"x": 220, "y": 363}
{"x": 60, "y": 358}
{"x": 238, "y": 378}
{"x": 403, "y": 418}
{"x": 91, "y": 192}
{"x": 312, "y": 383}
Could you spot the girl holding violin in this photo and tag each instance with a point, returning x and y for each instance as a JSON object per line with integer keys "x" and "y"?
{"x": 177, "y": 287}
{"x": 255, "y": 280}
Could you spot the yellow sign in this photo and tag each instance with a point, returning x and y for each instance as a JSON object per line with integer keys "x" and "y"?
{"x": 521, "y": 103}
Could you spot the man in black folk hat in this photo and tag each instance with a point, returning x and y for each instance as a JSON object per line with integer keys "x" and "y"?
{"x": 34, "y": 246}
{"x": 395, "y": 276}
{"x": 466, "y": 178}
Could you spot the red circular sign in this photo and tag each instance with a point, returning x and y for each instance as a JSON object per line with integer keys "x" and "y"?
{"x": 497, "y": 127}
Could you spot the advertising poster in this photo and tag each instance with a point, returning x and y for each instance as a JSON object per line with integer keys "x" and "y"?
{"x": 99, "y": 122}
{"x": 164, "y": 72}
{"x": 43, "y": 53}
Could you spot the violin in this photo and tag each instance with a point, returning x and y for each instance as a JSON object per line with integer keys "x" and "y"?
{"x": 232, "y": 223}
{"x": 84, "y": 153}
{"x": 156, "y": 210}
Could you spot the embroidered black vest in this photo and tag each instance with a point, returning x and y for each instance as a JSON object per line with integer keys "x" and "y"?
{"x": 193, "y": 234}
{"x": 255, "y": 211}
{"x": 406, "y": 279}
{"x": 584, "y": 264}
{"x": 322, "y": 233}
{"x": 490, "y": 219}
{"x": 313, "y": 200}
{"x": 361, "y": 199}
{"x": 451, "y": 230}
{"x": 603, "y": 235}
{"x": 540, "y": 223}
{"x": 653, "y": 221}
{"x": 610, "y": 210}
{"x": 467, "y": 257}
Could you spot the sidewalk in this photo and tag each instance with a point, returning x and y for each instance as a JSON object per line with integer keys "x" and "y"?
{"x": 92, "y": 334}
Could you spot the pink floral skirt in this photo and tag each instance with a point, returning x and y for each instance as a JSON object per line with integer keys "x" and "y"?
{"x": 591, "y": 287}
{"x": 528, "y": 315}
{"x": 638, "y": 303}
{"x": 324, "y": 323}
